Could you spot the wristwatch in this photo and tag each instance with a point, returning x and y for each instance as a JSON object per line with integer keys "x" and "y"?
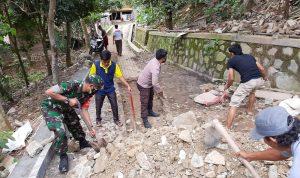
{"x": 67, "y": 100}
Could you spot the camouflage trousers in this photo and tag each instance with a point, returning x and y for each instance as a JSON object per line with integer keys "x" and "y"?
{"x": 55, "y": 120}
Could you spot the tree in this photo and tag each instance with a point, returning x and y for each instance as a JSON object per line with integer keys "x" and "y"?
{"x": 13, "y": 38}
{"x": 54, "y": 55}
{"x": 168, "y": 7}
{"x": 35, "y": 13}
{"x": 286, "y": 9}
{"x": 69, "y": 11}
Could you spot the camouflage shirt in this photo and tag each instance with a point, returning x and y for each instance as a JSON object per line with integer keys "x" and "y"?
{"x": 69, "y": 89}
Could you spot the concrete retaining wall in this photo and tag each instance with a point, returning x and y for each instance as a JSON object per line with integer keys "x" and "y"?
{"x": 207, "y": 53}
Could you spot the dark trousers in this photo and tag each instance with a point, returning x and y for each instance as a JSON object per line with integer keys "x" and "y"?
{"x": 112, "y": 97}
{"x": 119, "y": 46}
{"x": 55, "y": 119}
{"x": 146, "y": 97}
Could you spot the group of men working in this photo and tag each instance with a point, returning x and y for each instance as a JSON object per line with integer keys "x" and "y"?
{"x": 278, "y": 129}
{"x": 59, "y": 108}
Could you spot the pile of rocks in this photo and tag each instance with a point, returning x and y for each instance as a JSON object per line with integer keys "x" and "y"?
{"x": 171, "y": 151}
{"x": 264, "y": 18}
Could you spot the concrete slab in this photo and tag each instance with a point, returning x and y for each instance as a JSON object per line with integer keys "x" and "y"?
{"x": 36, "y": 166}
{"x": 265, "y": 94}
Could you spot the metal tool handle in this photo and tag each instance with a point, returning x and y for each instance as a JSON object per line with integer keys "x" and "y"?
{"x": 218, "y": 126}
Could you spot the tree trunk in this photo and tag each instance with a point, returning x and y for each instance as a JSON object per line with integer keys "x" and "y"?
{"x": 26, "y": 51}
{"x": 4, "y": 123}
{"x": 13, "y": 40}
{"x": 286, "y": 9}
{"x": 169, "y": 20}
{"x": 43, "y": 33}
{"x": 54, "y": 56}
{"x": 85, "y": 33}
{"x": 68, "y": 55}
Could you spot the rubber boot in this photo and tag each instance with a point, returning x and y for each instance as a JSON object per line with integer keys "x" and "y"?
{"x": 64, "y": 163}
{"x": 153, "y": 114}
{"x": 146, "y": 123}
{"x": 83, "y": 143}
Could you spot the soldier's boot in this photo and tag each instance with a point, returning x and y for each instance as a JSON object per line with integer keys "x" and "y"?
{"x": 64, "y": 163}
{"x": 146, "y": 123}
{"x": 153, "y": 114}
{"x": 83, "y": 143}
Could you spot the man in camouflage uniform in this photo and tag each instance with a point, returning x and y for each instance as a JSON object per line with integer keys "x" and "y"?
{"x": 59, "y": 109}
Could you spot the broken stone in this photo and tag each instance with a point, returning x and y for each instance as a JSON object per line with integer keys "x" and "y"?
{"x": 33, "y": 148}
{"x": 4, "y": 173}
{"x": 222, "y": 146}
{"x": 18, "y": 123}
{"x": 73, "y": 146}
{"x": 8, "y": 161}
{"x": 182, "y": 156}
{"x": 210, "y": 174}
{"x": 206, "y": 87}
{"x": 82, "y": 169}
{"x": 215, "y": 157}
{"x": 131, "y": 153}
{"x": 204, "y": 98}
{"x": 291, "y": 22}
{"x": 143, "y": 161}
{"x": 96, "y": 155}
{"x": 272, "y": 95}
{"x": 235, "y": 29}
{"x": 197, "y": 161}
{"x": 186, "y": 120}
{"x": 185, "y": 136}
{"x": 163, "y": 140}
{"x": 100, "y": 164}
{"x": 118, "y": 175}
{"x": 273, "y": 171}
{"x": 11, "y": 111}
{"x": 110, "y": 148}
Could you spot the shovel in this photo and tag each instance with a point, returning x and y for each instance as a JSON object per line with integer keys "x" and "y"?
{"x": 213, "y": 134}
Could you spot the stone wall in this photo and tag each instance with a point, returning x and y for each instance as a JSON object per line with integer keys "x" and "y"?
{"x": 207, "y": 54}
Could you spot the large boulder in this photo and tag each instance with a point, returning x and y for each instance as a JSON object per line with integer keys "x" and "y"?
{"x": 186, "y": 120}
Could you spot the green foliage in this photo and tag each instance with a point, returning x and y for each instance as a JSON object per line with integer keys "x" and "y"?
{"x": 223, "y": 9}
{"x": 61, "y": 43}
{"x": 211, "y": 47}
{"x": 149, "y": 15}
{"x": 4, "y": 136}
{"x": 36, "y": 76}
{"x": 5, "y": 30}
{"x": 71, "y": 10}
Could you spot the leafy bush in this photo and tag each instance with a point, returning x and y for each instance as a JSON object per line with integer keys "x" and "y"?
{"x": 224, "y": 9}
{"x": 36, "y": 76}
{"x": 4, "y": 136}
{"x": 150, "y": 15}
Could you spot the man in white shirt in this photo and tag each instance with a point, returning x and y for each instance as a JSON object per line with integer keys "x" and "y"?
{"x": 148, "y": 81}
{"x": 117, "y": 39}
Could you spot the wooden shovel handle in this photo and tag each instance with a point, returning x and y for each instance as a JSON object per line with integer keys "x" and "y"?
{"x": 218, "y": 126}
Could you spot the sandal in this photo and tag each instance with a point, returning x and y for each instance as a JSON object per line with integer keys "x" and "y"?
{"x": 98, "y": 123}
{"x": 118, "y": 123}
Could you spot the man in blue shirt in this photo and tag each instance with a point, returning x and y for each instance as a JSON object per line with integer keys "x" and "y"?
{"x": 252, "y": 77}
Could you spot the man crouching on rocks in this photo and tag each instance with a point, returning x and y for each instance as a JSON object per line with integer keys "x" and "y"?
{"x": 59, "y": 109}
{"x": 281, "y": 132}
